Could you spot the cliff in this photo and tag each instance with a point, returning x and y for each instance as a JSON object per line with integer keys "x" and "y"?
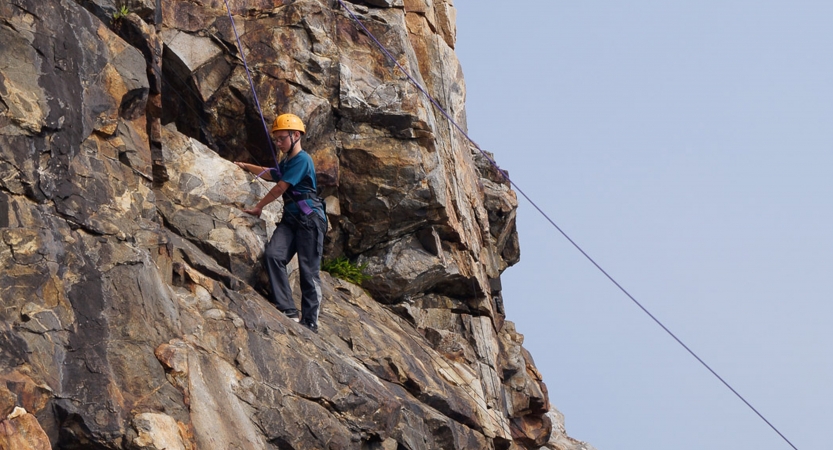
{"x": 133, "y": 310}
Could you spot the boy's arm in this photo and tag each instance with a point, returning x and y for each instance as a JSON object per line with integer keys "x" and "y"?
{"x": 273, "y": 195}
{"x": 261, "y": 171}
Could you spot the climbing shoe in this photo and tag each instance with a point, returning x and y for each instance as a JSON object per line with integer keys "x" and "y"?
{"x": 311, "y": 326}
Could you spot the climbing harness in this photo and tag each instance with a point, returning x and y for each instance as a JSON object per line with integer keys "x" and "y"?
{"x": 517, "y": 188}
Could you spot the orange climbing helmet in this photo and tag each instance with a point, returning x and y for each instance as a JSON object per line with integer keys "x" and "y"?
{"x": 288, "y": 122}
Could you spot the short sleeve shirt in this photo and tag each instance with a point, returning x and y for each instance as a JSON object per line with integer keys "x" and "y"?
{"x": 299, "y": 173}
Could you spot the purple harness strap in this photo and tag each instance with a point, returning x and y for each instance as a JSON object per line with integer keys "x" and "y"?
{"x": 302, "y": 204}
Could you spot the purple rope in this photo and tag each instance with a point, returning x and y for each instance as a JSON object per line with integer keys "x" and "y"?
{"x": 506, "y": 176}
{"x": 252, "y": 85}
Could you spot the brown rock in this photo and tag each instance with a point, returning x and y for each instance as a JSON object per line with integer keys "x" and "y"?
{"x": 22, "y": 431}
{"x": 7, "y": 402}
{"x": 531, "y": 430}
{"x": 23, "y": 391}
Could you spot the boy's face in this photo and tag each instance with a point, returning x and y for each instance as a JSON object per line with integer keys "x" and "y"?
{"x": 282, "y": 140}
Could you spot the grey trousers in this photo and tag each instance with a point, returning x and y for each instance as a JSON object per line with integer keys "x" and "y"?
{"x": 303, "y": 235}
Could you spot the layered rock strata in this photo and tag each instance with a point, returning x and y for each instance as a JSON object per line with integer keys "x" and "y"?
{"x": 133, "y": 309}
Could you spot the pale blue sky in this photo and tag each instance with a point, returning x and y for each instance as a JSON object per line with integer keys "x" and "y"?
{"x": 688, "y": 147}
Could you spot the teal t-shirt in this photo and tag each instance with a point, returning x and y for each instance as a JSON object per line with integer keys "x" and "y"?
{"x": 299, "y": 173}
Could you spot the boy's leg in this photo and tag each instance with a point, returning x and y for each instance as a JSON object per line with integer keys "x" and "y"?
{"x": 310, "y": 245}
{"x": 279, "y": 251}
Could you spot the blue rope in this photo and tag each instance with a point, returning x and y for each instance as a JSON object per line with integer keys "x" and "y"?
{"x": 517, "y": 188}
{"x": 252, "y": 85}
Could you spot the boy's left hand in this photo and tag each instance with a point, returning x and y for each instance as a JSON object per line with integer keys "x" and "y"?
{"x": 254, "y": 211}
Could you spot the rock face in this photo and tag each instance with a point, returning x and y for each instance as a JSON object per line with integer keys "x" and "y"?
{"x": 133, "y": 310}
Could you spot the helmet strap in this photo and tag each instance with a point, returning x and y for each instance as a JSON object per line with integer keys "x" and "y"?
{"x": 293, "y": 141}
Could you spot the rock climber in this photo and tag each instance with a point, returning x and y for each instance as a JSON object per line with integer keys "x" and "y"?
{"x": 302, "y": 228}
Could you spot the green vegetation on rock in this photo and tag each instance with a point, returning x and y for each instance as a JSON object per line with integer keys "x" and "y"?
{"x": 341, "y": 267}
